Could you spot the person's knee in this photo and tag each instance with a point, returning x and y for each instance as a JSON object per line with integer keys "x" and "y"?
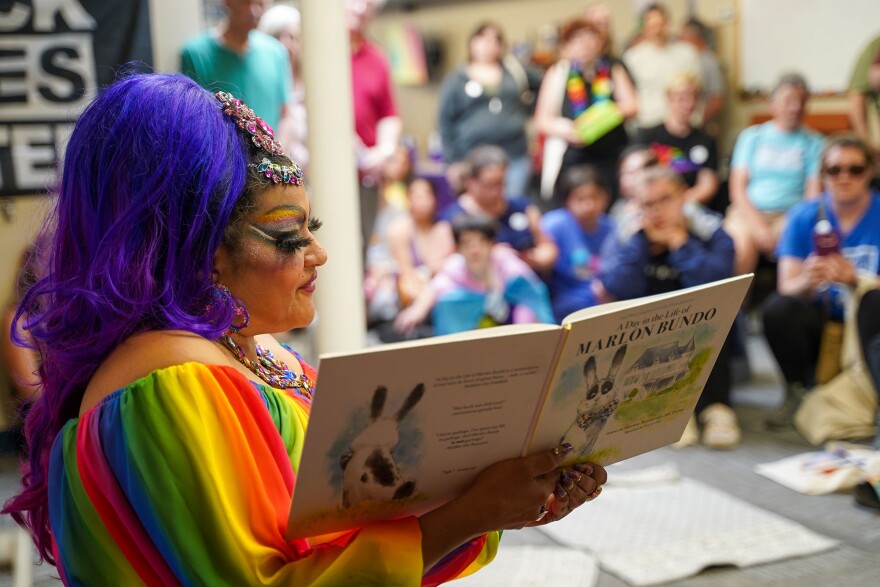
{"x": 780, "y": 309}
{"x": 870, "y": 303}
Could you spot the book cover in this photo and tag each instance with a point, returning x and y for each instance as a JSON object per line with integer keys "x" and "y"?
{"x": 629, "y": 377}
{"x": 400, "y": 429}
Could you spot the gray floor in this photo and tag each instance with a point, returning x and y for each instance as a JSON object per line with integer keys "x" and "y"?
{"x": 856, "y": 563}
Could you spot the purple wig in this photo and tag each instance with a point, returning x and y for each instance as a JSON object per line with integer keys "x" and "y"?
{"x": 153, "y": 174}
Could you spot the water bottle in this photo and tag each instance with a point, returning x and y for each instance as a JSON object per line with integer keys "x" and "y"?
{"x": 825, "y": 238}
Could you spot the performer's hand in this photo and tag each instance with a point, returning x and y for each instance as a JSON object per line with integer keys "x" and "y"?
{"x": 519, "y": 492}
{"x": 576, "y": 486}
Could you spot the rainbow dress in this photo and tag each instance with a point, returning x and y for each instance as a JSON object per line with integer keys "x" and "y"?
{"x": 185, "y": 477}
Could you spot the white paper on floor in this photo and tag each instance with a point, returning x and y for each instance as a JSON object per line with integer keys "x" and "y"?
{"x": 839, "y": 466}
{"x": 536, "y": 566}
{"x": 672, "y": 529}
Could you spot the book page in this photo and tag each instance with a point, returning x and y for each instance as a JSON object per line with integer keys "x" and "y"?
{"x": 478, "y": 334}
{"x": 401, "y": 429}
{"x": 629, "y": 377}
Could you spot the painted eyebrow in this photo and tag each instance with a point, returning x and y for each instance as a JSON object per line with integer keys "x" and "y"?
{"x": 297, "y": 210}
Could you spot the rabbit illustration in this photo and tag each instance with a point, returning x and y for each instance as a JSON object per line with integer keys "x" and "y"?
{"x": 370, "y": 472}
{"x": 601, "y": 398}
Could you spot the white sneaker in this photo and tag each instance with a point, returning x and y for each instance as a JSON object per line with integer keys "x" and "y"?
{"x": 720, "y": 428}
{"x": 690, "y": 436}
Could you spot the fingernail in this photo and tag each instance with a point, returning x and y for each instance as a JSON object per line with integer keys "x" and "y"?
{"x": 584, "y": 468}
{"x": 595, "y": 494}
{"x": 567, "y": 447}
{"x": 561, "y": 493}
{"x": 575, "y": 477}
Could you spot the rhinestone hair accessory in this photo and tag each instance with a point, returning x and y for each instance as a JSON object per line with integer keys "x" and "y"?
{"x": 263, "y": 137}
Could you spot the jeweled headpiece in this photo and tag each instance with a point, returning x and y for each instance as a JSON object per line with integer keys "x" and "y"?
{"x": 263, "y": 137}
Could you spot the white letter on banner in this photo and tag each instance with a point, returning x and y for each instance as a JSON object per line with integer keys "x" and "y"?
{"x": 33, "y": 156}
{"x": 15, "y": 18}
{"x": 72, "y": 11}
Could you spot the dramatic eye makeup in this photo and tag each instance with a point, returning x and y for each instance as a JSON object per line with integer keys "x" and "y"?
{"x": 281, "y": 228}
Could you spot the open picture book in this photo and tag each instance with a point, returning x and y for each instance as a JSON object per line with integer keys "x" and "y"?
{"x": 399, "y": 429}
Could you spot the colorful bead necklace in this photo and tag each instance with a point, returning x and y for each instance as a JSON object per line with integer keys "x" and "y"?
{"x": 271, "y": 370}
{"x": 577, "y": 92}
{"x": 600, "y": 88}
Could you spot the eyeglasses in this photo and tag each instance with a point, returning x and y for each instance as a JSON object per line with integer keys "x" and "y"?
{"x": 660, "y": 203}
{"x": 851, "y": 170}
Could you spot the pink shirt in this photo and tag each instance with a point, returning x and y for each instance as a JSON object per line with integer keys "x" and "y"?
{"x": 371, "y": 86}
{"x": 504, "y": 263}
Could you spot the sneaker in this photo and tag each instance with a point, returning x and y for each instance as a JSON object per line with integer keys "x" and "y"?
{"x": 783, "y": 416}
{"x": 690, "y": 436}
{"x": 720, "y": 428}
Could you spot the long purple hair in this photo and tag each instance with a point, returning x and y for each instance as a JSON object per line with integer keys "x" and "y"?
{"x": 153, "y": 174}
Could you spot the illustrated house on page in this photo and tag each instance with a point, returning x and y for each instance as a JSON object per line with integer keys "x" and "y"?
{"x": 658, "y": 368}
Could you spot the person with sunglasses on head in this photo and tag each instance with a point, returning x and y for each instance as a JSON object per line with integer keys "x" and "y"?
{"x": 816, "y": 281}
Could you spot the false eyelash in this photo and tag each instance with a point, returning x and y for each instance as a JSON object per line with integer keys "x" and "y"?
{"x": 292, "y": 244}
{"x": 315, "y": 223}
{"x": 287, "y": 245}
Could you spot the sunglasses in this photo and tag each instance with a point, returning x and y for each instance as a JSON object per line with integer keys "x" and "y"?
{"x": 852, "y": 170}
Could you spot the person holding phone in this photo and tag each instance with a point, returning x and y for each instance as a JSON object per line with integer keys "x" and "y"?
{"x": 814, "y": 287}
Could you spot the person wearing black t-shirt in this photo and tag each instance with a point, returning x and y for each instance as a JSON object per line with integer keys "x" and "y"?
{"x": 681, "y": 146}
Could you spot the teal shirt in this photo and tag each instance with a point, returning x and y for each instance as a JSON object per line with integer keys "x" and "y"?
{"x": 261, "y": 76}
{"x": 779, "y": 164}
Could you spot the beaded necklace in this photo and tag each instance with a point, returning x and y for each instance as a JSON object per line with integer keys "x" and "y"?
{"x": 271, "y": 370}
{"x": 599, "y": 90}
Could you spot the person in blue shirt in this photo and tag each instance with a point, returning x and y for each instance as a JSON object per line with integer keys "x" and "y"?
{"x": 579, "y": 230}
{"x": 775, "y": 165}
{"x": 813, "y": 288}
{"x": 670, "y": 246}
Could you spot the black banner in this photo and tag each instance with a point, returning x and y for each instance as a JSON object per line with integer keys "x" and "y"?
{"x": 54, "y": 57}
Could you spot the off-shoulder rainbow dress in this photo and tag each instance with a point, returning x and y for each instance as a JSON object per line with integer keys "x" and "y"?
{"x": 185, "y": 477}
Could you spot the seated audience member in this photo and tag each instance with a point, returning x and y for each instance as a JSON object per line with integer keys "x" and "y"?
{"x": 653, "y": 60}
{"x": 483, "y": 284}
{"x": 775, "y": 165}
{"x": 518, "y": 220}
{"x": 413, "y": 259}
{"x": 584, "y": 99}
{"x": 634, "y": 159}
{"x": 413, "y": 241}
{"x": 814, "y": 284}
{"x": 579, "y": 230}
{"x": 681, "y": 146}
{"x": 670, "y": 252}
